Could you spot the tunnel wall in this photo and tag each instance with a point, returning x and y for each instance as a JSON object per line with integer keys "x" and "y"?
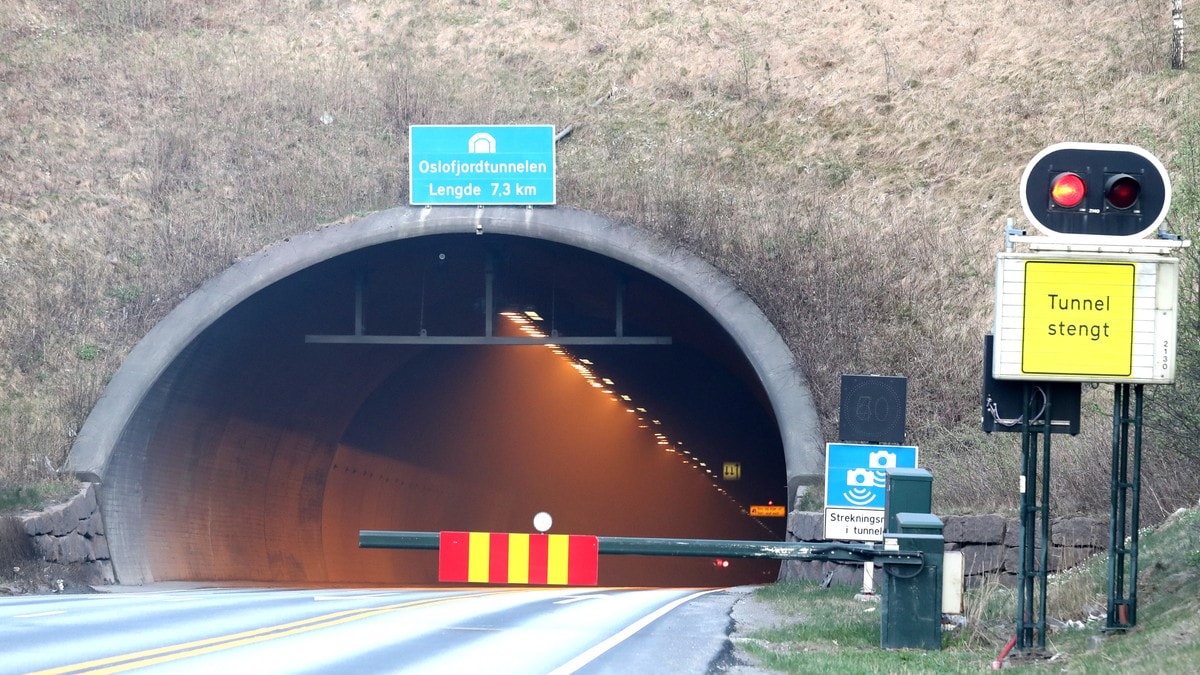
{"x": 146, "y": 405}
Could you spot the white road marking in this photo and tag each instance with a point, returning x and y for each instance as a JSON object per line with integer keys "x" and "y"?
{"x": 354, "y": 596}
{"x": 577, "y": 598}
{"x": 628, "y": 632}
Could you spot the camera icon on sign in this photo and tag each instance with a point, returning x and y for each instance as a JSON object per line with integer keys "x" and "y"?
{"x": 860, "y": 478}
{"x": 882, "y": 459}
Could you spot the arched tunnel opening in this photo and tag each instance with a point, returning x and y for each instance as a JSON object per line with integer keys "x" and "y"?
{"x": 447, "y": 381}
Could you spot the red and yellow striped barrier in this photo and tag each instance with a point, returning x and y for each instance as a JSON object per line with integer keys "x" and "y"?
{"x": 503, "y": 558}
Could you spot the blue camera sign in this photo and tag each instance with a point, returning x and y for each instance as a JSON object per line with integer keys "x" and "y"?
{"x": 855, "y": 476}
{"x": 481, "y": 165}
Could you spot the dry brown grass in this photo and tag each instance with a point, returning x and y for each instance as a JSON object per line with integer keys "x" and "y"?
{"x": 849, "y": 164}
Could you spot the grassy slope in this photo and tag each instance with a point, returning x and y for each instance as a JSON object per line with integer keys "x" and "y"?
{"x": 823, "y": 626}
{"x": 849, "y": 164}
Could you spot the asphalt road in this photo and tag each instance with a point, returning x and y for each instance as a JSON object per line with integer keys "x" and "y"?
{"x": 443, "y": 630}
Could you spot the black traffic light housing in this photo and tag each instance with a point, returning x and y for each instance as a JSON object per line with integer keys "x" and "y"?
{"x": 1004, "y": 400}
{"x": 1095, "y": 189}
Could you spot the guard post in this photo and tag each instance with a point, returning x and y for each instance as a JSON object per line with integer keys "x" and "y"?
{"x": 911, "y": 616}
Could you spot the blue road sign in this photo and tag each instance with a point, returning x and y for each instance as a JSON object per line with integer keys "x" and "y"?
{"x": 481, "y": 165}
{"x": 855, "y": 473}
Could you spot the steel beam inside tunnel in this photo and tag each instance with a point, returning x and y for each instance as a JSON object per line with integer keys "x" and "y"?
{"x": 226, "y": 447}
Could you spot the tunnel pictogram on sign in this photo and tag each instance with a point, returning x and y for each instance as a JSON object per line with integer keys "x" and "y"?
{"x": 515, "y": 558}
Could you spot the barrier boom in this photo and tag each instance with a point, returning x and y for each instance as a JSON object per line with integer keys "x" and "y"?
{"x": 912, "y": 609}
{"x": 696, "y": 548}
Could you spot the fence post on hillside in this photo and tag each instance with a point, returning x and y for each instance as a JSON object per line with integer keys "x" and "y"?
{"x": 1177, "y": 52}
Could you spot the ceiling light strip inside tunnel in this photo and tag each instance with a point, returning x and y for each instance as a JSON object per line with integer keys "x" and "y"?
{"x": 586, "y": 370}
{"x": 527, "y": 323}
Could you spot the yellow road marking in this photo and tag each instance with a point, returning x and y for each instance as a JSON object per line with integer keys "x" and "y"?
{"x": 157, "y": 655}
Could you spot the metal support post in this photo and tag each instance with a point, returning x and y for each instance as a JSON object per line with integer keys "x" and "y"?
{"x": 360, "y": 282}
{"x": 1035, "y": 522}
{"x": 867, "y": 592}
{"x": 619, "y": 328}
{"x": 1125, "y": 493}
{"x": 489, "y": 281}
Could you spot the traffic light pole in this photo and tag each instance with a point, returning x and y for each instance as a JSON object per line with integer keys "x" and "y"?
{"x": 1125, "y": 497}
{"x": 1102, "y": 209}
{"x": 1035, "y": 520}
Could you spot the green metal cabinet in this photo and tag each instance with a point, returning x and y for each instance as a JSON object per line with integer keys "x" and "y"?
{"x": 906, "y": 491}
{"x": 911, "y": 616}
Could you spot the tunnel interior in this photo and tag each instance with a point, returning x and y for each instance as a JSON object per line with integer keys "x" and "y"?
{"x": 392, "y": 388}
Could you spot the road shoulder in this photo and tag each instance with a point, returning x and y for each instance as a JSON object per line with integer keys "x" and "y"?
{"x": 748, "y": 614}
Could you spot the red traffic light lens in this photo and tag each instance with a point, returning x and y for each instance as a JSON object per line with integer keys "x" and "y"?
{"x": 1121, "y": 191}
{"x": 1067, "y": 190}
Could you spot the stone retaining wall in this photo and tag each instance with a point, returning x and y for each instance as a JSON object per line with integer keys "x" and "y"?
{"x": 990, "y": 545}
{"x": 72, "y": 534}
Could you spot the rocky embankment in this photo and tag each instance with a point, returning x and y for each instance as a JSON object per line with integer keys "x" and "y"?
{"x": 62, "y": 549}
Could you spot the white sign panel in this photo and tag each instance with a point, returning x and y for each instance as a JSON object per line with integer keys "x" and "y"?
{"x": 853, "y": 524}
{"x": 1085, "y": 318}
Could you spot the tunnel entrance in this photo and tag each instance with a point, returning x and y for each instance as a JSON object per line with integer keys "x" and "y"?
{"x": 464, "y": 373}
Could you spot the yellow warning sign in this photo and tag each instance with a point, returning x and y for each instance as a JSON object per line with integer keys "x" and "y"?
{"x": 1078, "y": 318}
{"x": 1085, "y": 317}
{"x": 768, "y": 511}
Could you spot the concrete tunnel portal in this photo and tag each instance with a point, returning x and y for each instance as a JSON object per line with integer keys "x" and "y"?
{"x": 448, "y": 369}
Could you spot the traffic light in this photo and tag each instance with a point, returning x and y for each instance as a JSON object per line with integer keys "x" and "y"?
{"x": 1095, "y": 189}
